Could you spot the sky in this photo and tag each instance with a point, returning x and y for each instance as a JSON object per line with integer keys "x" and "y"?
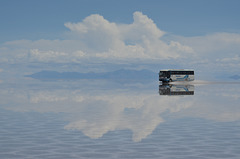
{"x": 194, "y": 34}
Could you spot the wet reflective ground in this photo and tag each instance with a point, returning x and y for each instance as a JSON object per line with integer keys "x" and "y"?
{"x": 107, "y": 119}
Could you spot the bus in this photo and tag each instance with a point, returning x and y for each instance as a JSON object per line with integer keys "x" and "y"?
{"x": 171, "y": 75}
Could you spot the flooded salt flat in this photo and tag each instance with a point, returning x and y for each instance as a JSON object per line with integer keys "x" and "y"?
{"x": 107, "y": 119}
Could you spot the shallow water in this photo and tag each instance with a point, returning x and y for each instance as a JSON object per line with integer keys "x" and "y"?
{"x": 107, "y": 119}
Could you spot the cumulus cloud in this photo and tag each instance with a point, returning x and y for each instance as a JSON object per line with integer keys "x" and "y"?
{"x": 141, "y": 39}
{"x": 98, "y": 38}
{"x": 96, "y": 33}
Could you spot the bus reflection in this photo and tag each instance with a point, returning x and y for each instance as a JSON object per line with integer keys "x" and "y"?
{"x": 171, "y": 89}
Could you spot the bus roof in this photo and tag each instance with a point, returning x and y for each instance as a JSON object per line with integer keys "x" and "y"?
{"x": 177, "y": 70}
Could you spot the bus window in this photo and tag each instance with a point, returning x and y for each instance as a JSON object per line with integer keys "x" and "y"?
{"x": 168, "y": 74}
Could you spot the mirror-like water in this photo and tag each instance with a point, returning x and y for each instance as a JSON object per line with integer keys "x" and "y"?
{"x": 106, "y": 119}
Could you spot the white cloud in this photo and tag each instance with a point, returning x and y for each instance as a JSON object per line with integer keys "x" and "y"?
{"x": 214, "y": 52}
{"x": 96, "y": 33}
{"x": 52, "y": 56}
{"x": 230, "y": 59}
{"x": 213, "y": 46}
{"x": 141, "y": 39}
{"x": 98, "y": 38}
{"x": 45, "y": 55}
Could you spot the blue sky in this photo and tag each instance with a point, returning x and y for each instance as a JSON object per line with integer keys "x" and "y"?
{"x": 193, "y": 34}
{"x": 32, "y": 19}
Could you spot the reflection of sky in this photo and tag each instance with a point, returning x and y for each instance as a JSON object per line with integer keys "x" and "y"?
{"x": 96, "y": 111}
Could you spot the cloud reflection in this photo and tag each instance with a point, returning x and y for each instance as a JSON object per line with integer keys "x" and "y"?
{"x": 96, "y": 112}
{"x": 96, "y": 115}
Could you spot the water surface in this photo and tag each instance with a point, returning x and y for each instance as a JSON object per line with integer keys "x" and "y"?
{"x": 107, "y": 119}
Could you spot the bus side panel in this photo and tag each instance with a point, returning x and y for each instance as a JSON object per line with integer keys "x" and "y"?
{"x": 182, "y": 77}
{"x": 191, "y": 77}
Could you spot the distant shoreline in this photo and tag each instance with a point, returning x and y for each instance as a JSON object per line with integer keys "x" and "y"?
{"x": 118, "y": 74}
